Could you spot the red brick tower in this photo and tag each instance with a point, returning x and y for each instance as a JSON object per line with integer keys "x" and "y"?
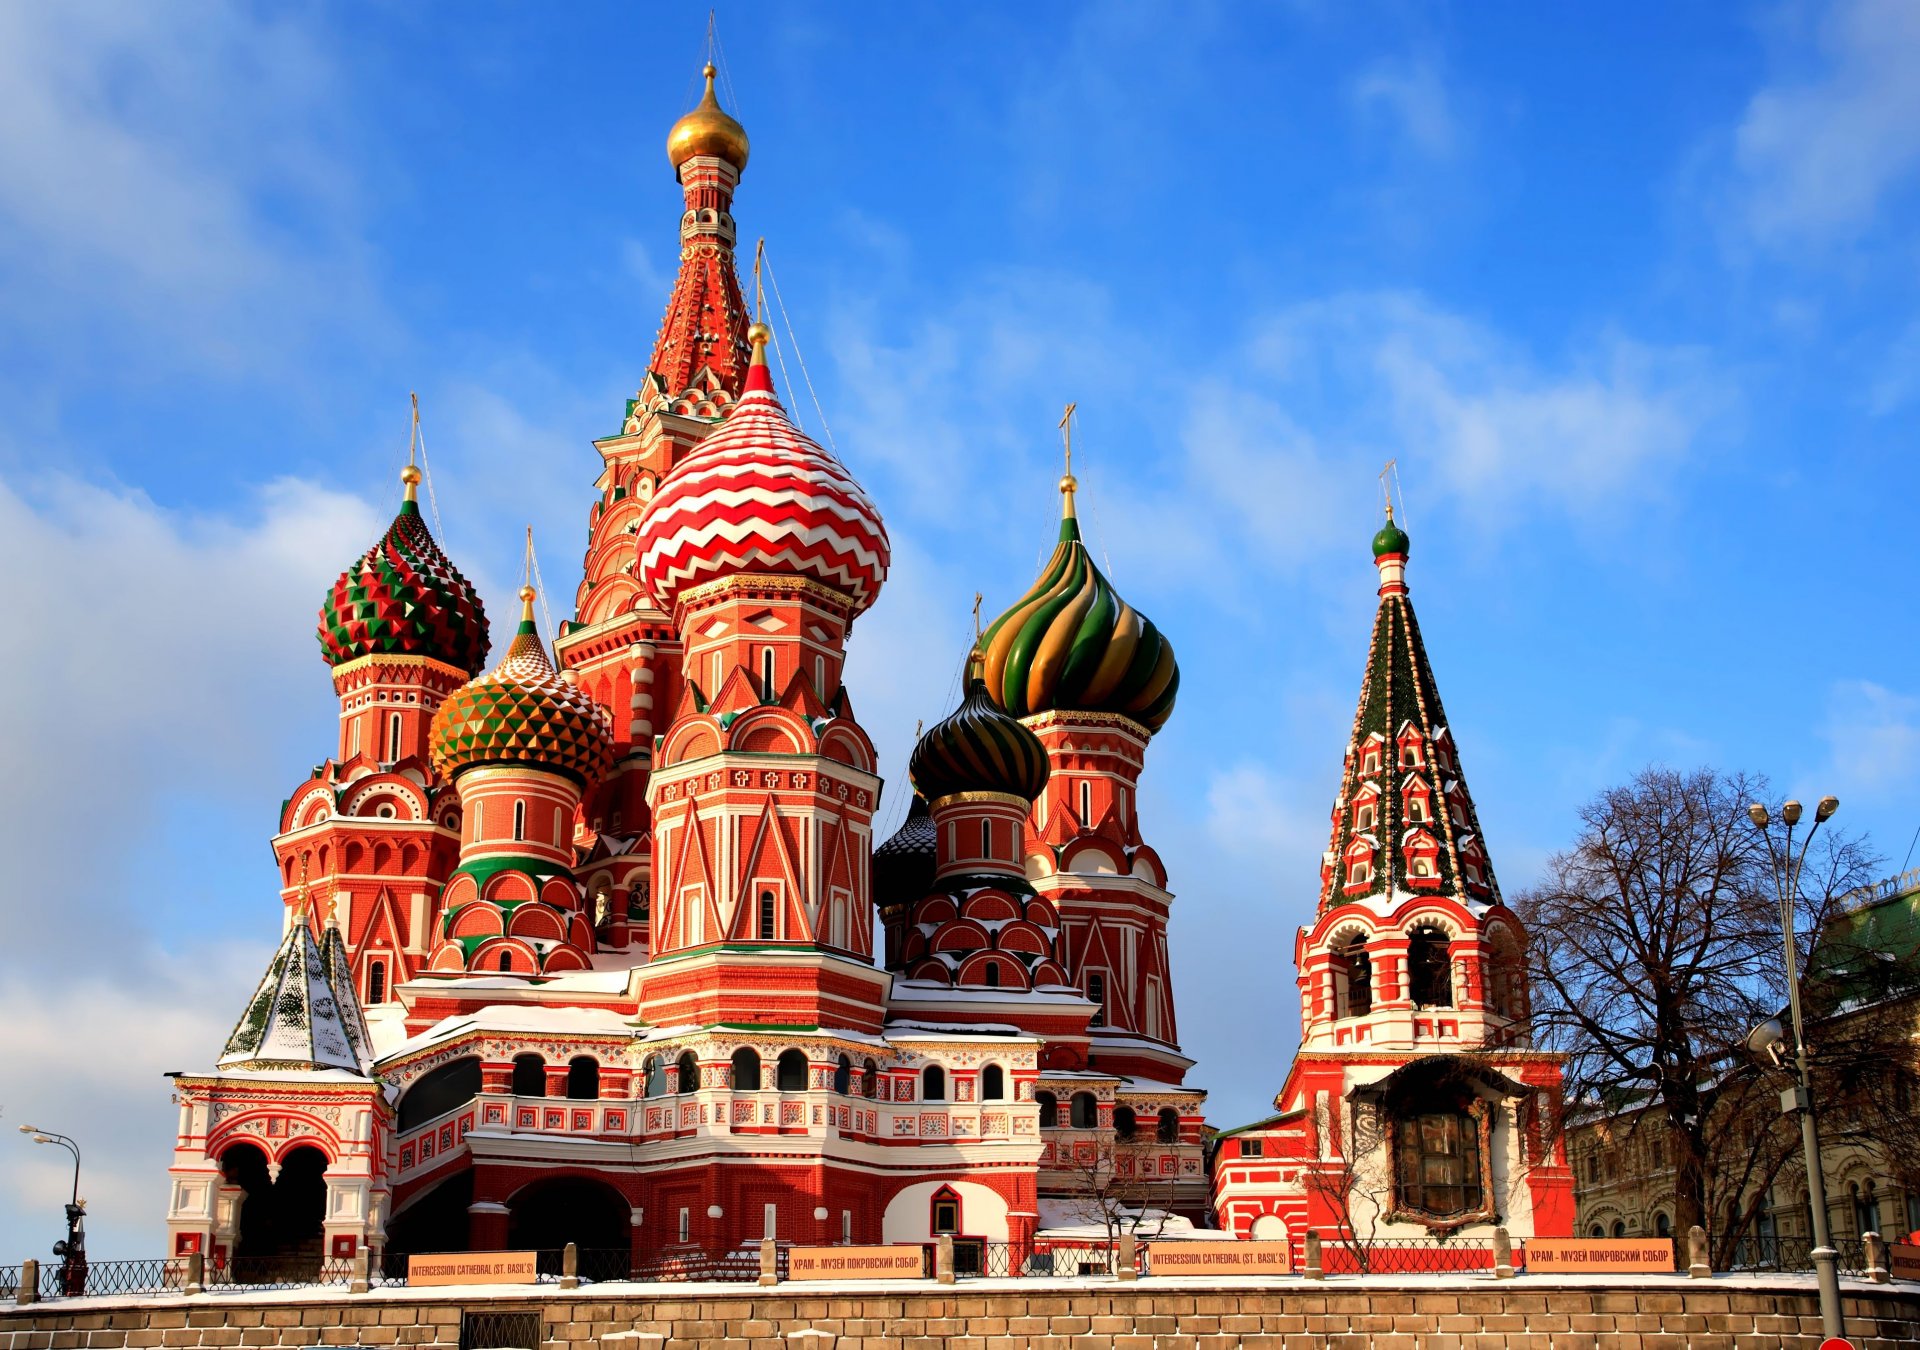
{"x": 1094, "y": 679}
{"x": 1415, "y": 1104}
{"x": 623, "y": 650}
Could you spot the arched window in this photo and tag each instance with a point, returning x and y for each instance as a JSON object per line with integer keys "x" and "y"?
{"x": 993, "y": 1083}
{"x": 1437, "y": 1163}
{"x": 529, "y": 1076}
{"x": 1097, "y": 994}
{"x": 653, "y": 1075}
{"x": 376, "y": 982}
{"x": 843, "y": 1076}
{"x": 519, "y": 820}
{"x": 992, "y": 975}
{"x": 766, "y": 916}
{"x": 869, "y": 1080}
{"x": 1355, "y": 968}
{"x": 1662, "y": 1226}
{"x": 1049, "y": 1109}
{"x": 1619, "y": 1228}
{"x": 1083, "y": 1112}
{"x": 766, "y": 675}
{"x": 1866, "y": 1210}
{"x": 1086, "y": 803}
{"x": 688, "y": 1077}
{"x": 506, "y": 961}
{"x": 1596, "y": 1231}
{"x": 1124, "y": 1123}
{"x": 986, "y": 839}
{"x": 746, "y": 1070}
{"x": 933, "y": 1083}
{"x": 1168, "y": 1131}
{"x": 1429, "y": 970}
{"x": 353, "y": 746}
{"x": 393, "y": 737}
{"x": 1363, "y": 816}
{"x": 790, "y": 1071}
{"x": 583, "y": 1078}
{"x": 439, "y": 1091}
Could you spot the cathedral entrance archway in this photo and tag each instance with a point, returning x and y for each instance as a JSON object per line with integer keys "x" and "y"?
{"x": 548, "y": 1214}
{"x": 435, "y": 1221}
{"x": 282, "y": 1217}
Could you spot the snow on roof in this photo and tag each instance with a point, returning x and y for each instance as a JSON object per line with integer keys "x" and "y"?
{"x": 924, "y": 991}
{"x": 981, "y": 1031}
{"x": 1071, "y": 1220}
{"x": 297, "y": 1017}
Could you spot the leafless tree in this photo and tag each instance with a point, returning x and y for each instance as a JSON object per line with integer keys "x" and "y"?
{"x": 1105, "y": 1187}
{"x": 1655, "y": 947}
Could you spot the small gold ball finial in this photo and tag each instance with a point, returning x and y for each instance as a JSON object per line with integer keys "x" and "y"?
{"x": 759, "y": 335}
{"x": 410, "y": 476}
{"x": 526, "y": 594}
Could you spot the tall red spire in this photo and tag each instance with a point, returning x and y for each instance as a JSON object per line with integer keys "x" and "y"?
{"x": 702, "y": 347}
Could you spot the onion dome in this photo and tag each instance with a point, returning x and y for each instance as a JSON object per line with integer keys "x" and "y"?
{"x": 404, "y": 598}
{"x": 523, "y": 712}
{"x": 978, "y": 749}
{"x": 707, "y": 130}
{"x": 1071, "y": 643}
{"x": 761, "y": 497}
{"x": 903, "y": 867}
{"x": 1391, "y": 539}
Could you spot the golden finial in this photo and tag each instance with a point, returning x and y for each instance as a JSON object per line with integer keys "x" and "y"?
{"x": 327, "y": 906}
{"x": 758, "y": 336}
{"x": 306, "y": 895}
{"x": 527, "y": 593}
{"x": 759, "y": 285}
{"x": 708, "y": 131}
{"x": 919, "y": 726}
{"x": 1068, "y": 483}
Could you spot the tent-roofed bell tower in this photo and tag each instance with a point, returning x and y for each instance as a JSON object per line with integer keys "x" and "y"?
{"x": 1416, "y": 1103}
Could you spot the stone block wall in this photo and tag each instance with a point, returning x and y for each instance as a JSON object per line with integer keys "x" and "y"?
{"x": 1538, "y": 1315}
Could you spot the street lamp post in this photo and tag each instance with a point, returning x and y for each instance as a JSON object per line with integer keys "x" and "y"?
{"x": 1786, "y": 874}
{"x": 73, "y": 1251}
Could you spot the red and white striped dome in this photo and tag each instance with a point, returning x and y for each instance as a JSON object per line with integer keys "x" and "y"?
{"x": 760, "y": 496}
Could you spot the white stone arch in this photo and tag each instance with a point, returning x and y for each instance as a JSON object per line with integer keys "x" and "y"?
{"x": 1268, "y": 1228}
{"x": 909, "y": 1215}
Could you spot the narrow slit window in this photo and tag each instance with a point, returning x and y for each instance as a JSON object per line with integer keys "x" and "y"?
{"x": 766, "y": 674}
{"x": 377, "y": 982}
{"x": 519, "y": 820}
{"x": 986, "y": 839}
{"x": 766, "y": 916}
{"x": 1086, "y": 803}
{"x": 393, "y": 737}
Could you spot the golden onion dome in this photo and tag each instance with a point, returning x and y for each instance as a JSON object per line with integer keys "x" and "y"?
{"x": 708, "y": 130}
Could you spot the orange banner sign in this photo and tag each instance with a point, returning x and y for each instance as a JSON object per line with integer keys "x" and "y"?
{"x": 1595, "y": 1255}
{"x": 855, "y": 1263}
{"x": 1217, "y": 1258}
{"x": 472, "y": 1268}
{"x": 1903, "y": 1260}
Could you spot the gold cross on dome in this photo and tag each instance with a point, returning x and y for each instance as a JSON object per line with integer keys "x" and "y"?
{"x": 977, "y": 598}
{"x": 1066, "y": 434}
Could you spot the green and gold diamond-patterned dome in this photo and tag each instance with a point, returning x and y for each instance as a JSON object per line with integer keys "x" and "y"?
{"x": 523, "y": 712}
{"x": 404, "y": 597}
{"x": 1071, "y": 643}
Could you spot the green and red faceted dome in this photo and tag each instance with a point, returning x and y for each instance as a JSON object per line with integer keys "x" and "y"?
{"x": 761, "y": 497}
{"x": 523, "y": 712}
{"x": 404, "y": 597}
{"x": 978, "y": 748}
{"x": 1072, "y": 644}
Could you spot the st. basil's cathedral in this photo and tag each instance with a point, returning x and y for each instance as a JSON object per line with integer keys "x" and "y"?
{"x": 596, "y": 945}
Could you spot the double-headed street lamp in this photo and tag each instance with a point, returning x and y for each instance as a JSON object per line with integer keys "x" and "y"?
{"x": 1786, "y": 876}
{"x": 72, "y": 1252}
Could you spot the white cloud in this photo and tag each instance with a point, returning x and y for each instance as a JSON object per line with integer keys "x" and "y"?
{"x": 1899, "y": 375}
{"x": 1495, "y": 426}
{"x": 1411, "y": 95}
{"x": 131, "y": 196}
{"x": 151, "y": 658}
{"x": 1816, "y": 156}
{"x": 1873, "y": 736}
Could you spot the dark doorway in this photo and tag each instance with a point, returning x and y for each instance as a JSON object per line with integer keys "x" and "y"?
{"x": 547, "y": 1215}
{"x": 434, "y": 1222}
{"x": 281, "y": 1221}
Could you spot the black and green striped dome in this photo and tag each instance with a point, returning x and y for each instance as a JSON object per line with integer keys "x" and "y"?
{"x": 1072, "y": 643}
{"x": 978, "y": 749}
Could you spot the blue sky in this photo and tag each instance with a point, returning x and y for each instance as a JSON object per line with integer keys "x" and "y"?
{"x": 1630, "y": 293}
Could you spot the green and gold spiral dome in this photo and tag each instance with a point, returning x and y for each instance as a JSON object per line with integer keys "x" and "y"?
{"x": 523, "y": 712}
{"x": 1071, "y": 643}
{"x": 978, "y": 748}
